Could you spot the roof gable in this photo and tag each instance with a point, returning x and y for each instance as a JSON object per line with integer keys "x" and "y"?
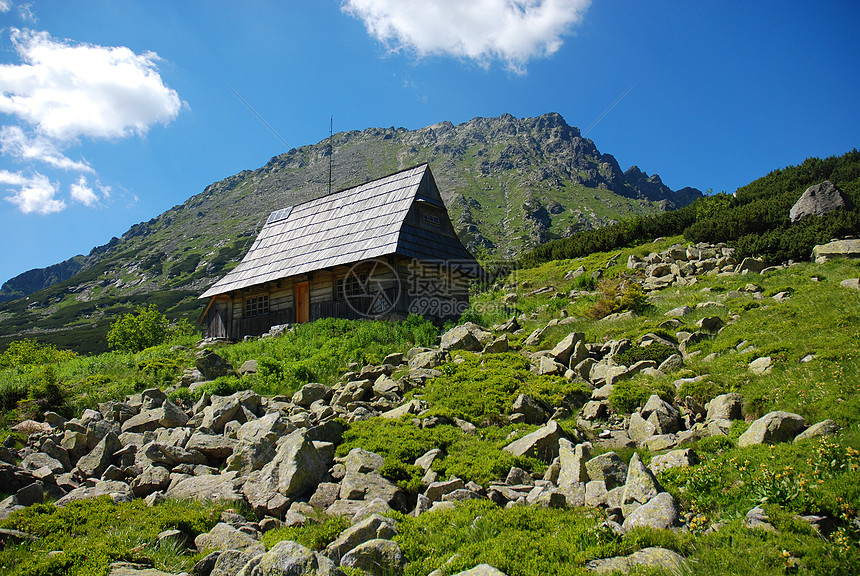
{"x": 340, "y": 228}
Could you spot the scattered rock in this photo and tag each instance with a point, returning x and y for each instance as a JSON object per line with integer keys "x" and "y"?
{"x": 660, "y": 558}
{"x": 661, "y": 511}
{"x": 378, "y": 557}
{"x": 773, "y": 428}
{"x": 819, "y": 199}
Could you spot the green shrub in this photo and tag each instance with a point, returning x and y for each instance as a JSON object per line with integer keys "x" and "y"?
{"x": 656, "y": 351}
{"x": 134, "y": 332}
{"x": 315, "y": 535}
{"x": 702, "y": 391}
{"x": 28, "y": 352}
{"x": 628, "y": 395}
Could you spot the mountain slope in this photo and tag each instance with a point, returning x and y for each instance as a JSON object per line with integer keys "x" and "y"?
{"x": 509, "y": 184}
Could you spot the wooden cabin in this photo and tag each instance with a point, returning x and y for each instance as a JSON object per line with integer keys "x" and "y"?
{"x": 383, "y": 249}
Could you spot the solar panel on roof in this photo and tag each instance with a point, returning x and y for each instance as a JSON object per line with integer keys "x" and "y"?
{"x": 278, "y": 215}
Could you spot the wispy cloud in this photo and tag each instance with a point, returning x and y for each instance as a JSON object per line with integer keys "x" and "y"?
{"x": 32, "y": 193}
{"x": 15, "y": 143}
{"x": 511, "y": 31}
{"x": 82, "y": 192}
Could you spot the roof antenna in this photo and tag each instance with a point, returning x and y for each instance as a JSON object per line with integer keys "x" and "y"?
{"x": 330, "y": 151}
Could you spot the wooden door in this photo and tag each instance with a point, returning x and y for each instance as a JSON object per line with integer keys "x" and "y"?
{"x": 301, "y": 293}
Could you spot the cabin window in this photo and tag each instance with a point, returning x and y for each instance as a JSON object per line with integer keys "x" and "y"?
{"x": 256, "y": 306}
{"x": 430, "y": 218}
{"x": 350, "y": 286}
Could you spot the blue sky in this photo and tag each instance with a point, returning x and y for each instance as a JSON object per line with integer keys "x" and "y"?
{"x": 113, "y": 111}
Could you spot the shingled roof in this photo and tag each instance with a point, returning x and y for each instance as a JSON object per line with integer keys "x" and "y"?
{"x": 367, "y": 221}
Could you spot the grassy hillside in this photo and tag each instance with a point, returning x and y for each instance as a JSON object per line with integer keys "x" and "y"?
{"x": 509, "y": 184}
{"x": 755, "y": 219}
{"x": 810, "y": 335}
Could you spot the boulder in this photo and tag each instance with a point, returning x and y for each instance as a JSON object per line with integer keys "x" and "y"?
{"x": 436, "y": 490}
{"x": 225, "y": 537}
{"x": 372, "y": 527}
{"x": 362, "y": 461}
{"x": 572, "y": 461}
{"x": 761, "y": 366}
{"x": 640, "y": 429}
{"x": 725, "y": 407}
{"x": 772, "y": 428}
{"x": 659, "y": 558}
{"x": 38, "y": 460}
{"x": 290, "y": 558}
{"x": 133, "y": 569}
{"x": 95, "y": 463}
{"x": 211, "y": 365}
{"x": 215, "y": 446}
{"x": 661, "y": 511}
{"x": 295, "y": 469}
{"x": 213, "y": 487}
{"x": 118, "y": 491}
{"x": 823, "y": 428}
{"x": 640, "y": 487}
{"x": 836, "y": 249}
{"x": 541, "y": 444}
{"x": 468, "y": 336}
{"x": 609, "y": 468}
{"x": 497, "y": 346}
{"x": 674, "y": 459}
{"x": 819, "y": 199}
{"x": 562, "y": 351}
{"x": 851, "y": 283}
{"x": 665, "y": 418}
{"x": 530, "y": 408}
{"x": 378, "y": 557}
{"x": 310, "y": 393}
{"x": 152, "y": 478}
{"x": 168, "y": 415}
{"x": 230, "y": 562}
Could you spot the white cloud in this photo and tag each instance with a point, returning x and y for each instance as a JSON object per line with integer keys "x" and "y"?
{"x": 5, "y": 5}
{"x": 14, "y": 142}
{"x": 513, "y": 31}
{"x": 34, "y": 193}
{"x": 68, "y": 90}
{"x": 83, "y": 193}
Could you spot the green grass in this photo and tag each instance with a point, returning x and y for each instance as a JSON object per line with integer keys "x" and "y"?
{"x": 93, "y": 533}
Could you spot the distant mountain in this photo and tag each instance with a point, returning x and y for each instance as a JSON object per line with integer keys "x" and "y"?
{"x": 510, "y": 184}
{"x": 39, "y": 278}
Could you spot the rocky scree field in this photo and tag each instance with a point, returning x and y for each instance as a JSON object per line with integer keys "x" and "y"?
{"x": 664, "y": 409}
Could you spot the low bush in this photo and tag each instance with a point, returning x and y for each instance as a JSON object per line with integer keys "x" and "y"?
{"x": 628, "y": 395}
{"x": 656, "y": 351}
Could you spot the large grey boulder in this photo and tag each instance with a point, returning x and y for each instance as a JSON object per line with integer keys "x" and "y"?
{"x": 661, "y": 511}
{"x": 819, "y": 199}
{"x": 823, "y": 428}
{"x": 675, "y": 459}
{"x": 773, "y": 428}
{"x": 215, "y": 446}
{"x": 562, "y": 351}
{"x": 225, "y": 537}
{"x": 257, "y": 441}
{"x": 362, "y": 461}
{"x": 660, "y": 558}
{"x": 118, "y": 491}
{"x": 310, "y": 393}
{"x": 836, "y": 249}
{"x": 372, "y": 527}
{"x": 96, "y": 462}
{"x": 663, "y": 416}
{"x": 378, "y": 557}
{"x": 213, "y": 487}
{"x": 371, "y": 486}
{"x": 288, "y": 558}
{"x": 211, "y": 365}
{"x": 572, "y": 461}
{"x": 168, "y": 415}
{"x": 152, "y": 478}
{"x": 39, "y": 460}
{"x": 725, "y": 407}
{"x": 541, "y": 444}
{"x": 609, "y": 468}
{"x": 170, "y": 456}
{"x": 640, "y": 487}
{"x": 530, "y": 408}
{"x": 133, "y": 569}
{"x": 296, "y": 468}
{"x": 230, "y": 562}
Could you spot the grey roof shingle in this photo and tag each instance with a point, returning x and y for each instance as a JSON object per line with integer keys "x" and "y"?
{"x": 367, "y": 221}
